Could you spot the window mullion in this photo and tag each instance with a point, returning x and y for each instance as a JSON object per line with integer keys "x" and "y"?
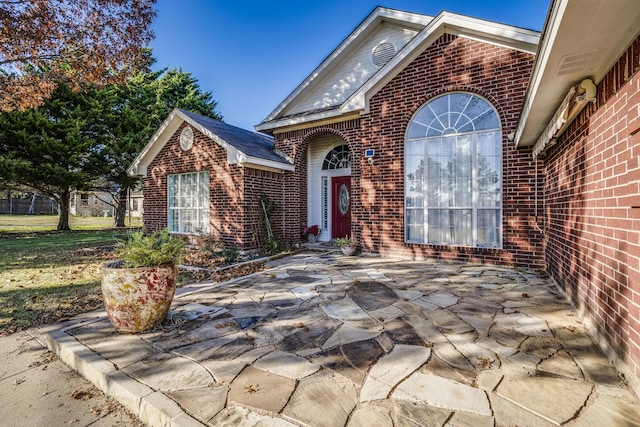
{"x": 458, "y": 156}
{"x": 474, "y": 189}
{"x": 425, "y": 197}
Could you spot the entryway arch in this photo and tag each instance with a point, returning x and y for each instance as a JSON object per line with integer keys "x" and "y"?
{"x": 329, "y": 185}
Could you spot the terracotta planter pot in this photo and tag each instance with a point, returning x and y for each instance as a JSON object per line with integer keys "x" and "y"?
{"x": 137, "y": 299}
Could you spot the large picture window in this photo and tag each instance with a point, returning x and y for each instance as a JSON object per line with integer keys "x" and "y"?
{"x": 453, "y": 173}
{"x": 188, "y": 209}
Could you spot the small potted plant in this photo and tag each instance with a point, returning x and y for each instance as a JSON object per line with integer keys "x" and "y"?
{"x": 139, "y": 287}
{"x": 311, "y": 233}
{"x": 346, "y": 245}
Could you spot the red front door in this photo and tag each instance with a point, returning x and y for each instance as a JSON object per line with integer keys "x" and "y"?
{"x": 340, "y": 206}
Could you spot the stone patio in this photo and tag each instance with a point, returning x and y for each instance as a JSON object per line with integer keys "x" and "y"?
{"x": 324, "y": 340}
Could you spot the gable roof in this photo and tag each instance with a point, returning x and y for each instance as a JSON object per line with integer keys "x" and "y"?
{"x": 426, "y": 30}
{"x": 243, "y": 147}
{"x": 581, "y": 40}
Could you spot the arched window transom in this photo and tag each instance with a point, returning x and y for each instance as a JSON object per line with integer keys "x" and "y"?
{"x": 338, "y": 158}
{"x": 453, "y": 173}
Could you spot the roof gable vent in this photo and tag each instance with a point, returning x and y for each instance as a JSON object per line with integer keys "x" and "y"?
{"x": 382, "y": 53}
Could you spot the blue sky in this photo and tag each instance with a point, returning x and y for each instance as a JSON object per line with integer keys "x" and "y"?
{"x": 252, "y": 54}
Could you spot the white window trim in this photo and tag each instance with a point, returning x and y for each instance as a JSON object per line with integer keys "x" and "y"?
{"x": 474, "y": 193}
{"x": 325, "y": 179}
{"x": 199, "y": 228}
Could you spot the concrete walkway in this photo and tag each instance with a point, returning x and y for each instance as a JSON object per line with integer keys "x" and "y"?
{"x": 37, "y": 389}
{"x": 326, "y": 340}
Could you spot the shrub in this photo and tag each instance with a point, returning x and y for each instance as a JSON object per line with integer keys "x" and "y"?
{"x": 158, "y": 248}
{"x": 230, "y": 254}
{"x": 344, "y": 241}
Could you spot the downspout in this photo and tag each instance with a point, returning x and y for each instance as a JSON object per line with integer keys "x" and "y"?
{"x": 574, "y": 102}
{"x": 536, "y": 200}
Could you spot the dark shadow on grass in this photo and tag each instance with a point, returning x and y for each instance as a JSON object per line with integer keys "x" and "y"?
{"x": 25, "y": 308}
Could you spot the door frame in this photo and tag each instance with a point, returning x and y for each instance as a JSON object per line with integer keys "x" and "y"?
{"x": 334, "y": 204}
{"x": 319, "y": 182}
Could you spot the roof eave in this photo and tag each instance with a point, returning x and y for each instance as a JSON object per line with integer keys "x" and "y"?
{"x": 550, "y": 30}
{"x": 269, "y": 165}
{"x": 600, "y": 31}
{"x": 299, "y": 120}
{"x": 139, "y": 166}
{"x": 445, "y": 23}
{"x": 379, "y": 15}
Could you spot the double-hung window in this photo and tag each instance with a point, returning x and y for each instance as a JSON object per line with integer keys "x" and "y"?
{"x": 188, "y": 203}
{"x": 453, "y": 173}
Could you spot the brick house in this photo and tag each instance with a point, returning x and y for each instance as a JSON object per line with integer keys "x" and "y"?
{"x": 418, "y": 110}
{"x": 202, "y": 176}
{"x": 455, "y": 138}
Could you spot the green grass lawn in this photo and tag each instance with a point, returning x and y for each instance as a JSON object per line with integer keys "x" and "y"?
{"x": 26, "y": 223}
{"x": 46, "y": 276}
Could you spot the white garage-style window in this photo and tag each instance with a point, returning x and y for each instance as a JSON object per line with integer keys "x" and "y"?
{"x": 188, "y": 203}
{"x": 453, "y": 173}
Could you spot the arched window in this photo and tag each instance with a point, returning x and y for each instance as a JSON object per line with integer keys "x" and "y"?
{"x": 453, "y": 173}
{"x": 338, "y": 158}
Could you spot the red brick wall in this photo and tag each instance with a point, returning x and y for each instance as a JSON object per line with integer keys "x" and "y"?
{"x": 593, "y": 210}
{"x": 226, "y": 185}
{"x": 258, "y": 183}
{"x": 451, "y": 63}
{"x": 294, "y": 144}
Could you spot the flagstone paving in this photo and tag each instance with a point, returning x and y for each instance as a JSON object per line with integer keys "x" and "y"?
{"x": 324, "y": 340}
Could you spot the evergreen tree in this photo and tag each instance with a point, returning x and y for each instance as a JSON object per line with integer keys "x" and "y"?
{"x": 85, "y": 140}
{"x": 50, "y": 148}
{"x": 134, "y": 111}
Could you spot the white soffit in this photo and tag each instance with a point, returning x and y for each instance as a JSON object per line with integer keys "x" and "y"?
{"x": 581, "y": 39}
{"x": 168, "y": 127}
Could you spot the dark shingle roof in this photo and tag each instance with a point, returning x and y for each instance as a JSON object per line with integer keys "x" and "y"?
{"x": 250, "y": 143}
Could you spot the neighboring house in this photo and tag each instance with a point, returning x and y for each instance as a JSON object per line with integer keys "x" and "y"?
{"x": 96, "y": 203}
{"x": 444, "y": 137}
{"x": 203, "y": 176}
{"x": 134, "y": 205}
